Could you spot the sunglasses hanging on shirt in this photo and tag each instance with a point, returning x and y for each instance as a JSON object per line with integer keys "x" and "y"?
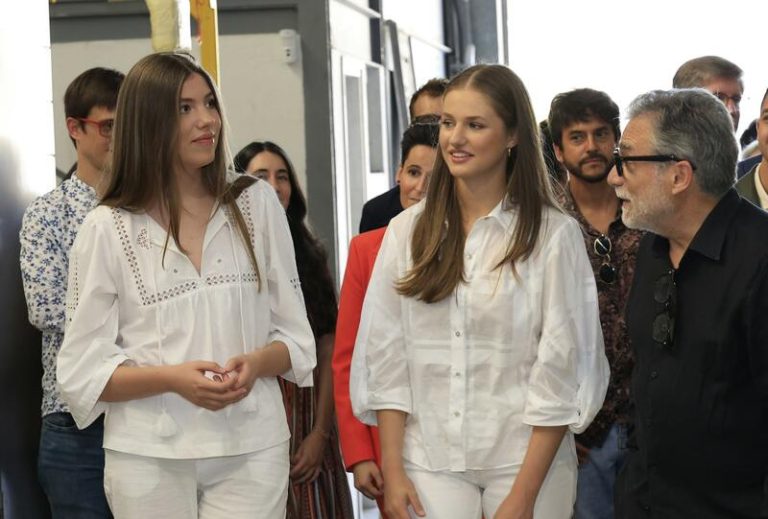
{"x": 603, "y": 248}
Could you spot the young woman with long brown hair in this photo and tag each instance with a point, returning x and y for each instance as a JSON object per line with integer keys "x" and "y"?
{"x": 480, "y": 343}
{"x": 183, "y": 307}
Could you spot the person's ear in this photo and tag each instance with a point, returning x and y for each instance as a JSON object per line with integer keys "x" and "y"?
{"x": 558, "y": 152}
{"x": 682, "y": 176}
{"x": 512, "y": 142}
{"x": 74, "y": 128}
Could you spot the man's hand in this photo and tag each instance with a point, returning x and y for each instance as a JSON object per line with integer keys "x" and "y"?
{"x": 582, "y": 453}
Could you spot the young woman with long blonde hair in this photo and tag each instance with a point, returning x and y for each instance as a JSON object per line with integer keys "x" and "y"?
{"x": 480, "y": 347}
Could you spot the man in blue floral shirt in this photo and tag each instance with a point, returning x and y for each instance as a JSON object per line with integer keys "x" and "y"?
{"x": 71, "y": 461}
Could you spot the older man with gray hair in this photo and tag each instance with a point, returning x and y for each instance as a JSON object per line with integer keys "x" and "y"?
{"x": 697, "y": 316}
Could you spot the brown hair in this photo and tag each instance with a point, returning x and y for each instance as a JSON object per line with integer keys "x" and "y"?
{"x": 435, "y": 87}
{"x": 438, "y": 235}
{"x": 146, "y": 139}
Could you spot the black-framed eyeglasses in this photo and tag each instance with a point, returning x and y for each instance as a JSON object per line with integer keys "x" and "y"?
{"x": 104, "y": 126}
{"x": 619, "y": 161}
{"x": 665, "y": 293}
{"x": 603, "y": 248}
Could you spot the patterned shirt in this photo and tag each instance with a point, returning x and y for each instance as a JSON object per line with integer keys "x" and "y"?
{"x": 47, "y": 232}
{"x": 612, "y": 299}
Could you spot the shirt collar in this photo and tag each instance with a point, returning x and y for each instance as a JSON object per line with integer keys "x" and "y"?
{"x": 710, "y": 238}
{"x": 503, "y": 212}
{"x": 565, "y": 198}
{"x": 157, "y": 234}
{"x": 762, "y": 195}
{"x": 82, "y": 186}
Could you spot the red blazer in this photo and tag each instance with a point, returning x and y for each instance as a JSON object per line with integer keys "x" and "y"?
{"x": 359, "y": 442}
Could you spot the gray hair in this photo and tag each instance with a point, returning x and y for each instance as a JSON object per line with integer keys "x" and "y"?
{"x": 698, "y": 72}
{"x": 694, "y": 125}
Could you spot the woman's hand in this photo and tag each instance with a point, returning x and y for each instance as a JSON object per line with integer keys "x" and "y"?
{"x": 308, "y": 460}
{"x": 243, "y": 370}
{"x": 190, "y": 381}
{"x": 368, "y": 479}
{"x": 399, "y": 493}
{"x": 515, "y": 506}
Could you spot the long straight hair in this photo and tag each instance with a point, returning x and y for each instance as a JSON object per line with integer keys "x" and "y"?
{"x": 145, "y": 145}
{"x": 311, "y": 258}
{"x": 438, "y": 237}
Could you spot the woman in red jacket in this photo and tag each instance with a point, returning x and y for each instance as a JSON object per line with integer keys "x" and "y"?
{"x": 359, "y": 442}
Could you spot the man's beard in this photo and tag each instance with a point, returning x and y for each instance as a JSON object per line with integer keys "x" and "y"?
{"x": 576, "y": 169}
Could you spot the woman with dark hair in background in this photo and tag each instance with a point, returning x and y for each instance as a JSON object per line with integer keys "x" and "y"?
{"x": 319, "y": 487}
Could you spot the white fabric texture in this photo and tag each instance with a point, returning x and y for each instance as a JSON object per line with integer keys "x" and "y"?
{"x": 503, "y": 353}
{"x": 249, "y": 486}
{"x": 127, "y": 303}
{"x": 479, "y": 493}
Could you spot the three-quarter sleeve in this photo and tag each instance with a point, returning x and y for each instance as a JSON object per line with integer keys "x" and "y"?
{"x": 43, "y": 267}
{"x": 89, "y": 354}
{"x": 379, "y": 377}
{"x": 356, "y": 441}
{"x": 569, "y": 378}
{"x": 288, "y": 317}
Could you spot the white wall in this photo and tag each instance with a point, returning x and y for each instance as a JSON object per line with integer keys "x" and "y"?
{"x": 26, "y": 136}
{"x": 627, "y": 48}
{"x": 263, "y": 97}
{"x": 424, "y": 20}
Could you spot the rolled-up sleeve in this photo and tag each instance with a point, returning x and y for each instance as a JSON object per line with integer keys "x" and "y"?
{"x": 288, "y": 316}
{"x": 89, "y": 354}
{"x": 569, "y": 378}
{"x": 379, "y": 377}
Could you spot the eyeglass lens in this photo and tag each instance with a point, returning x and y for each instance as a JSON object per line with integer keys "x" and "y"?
{"x": 105, "y": 127}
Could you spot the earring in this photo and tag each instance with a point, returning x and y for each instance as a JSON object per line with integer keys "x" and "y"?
{"x": 509, "y": 152}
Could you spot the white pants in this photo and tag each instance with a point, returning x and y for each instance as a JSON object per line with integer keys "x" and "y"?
{"x": 470, "y": 494}
{"x": 253, "y": 486}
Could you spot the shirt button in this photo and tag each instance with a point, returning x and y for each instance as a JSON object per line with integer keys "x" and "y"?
{"x": 654, "y": 374}
{"x": 458, "y": 333}
{"x": 457, "y": 374}
{"x": 456, "y": 414}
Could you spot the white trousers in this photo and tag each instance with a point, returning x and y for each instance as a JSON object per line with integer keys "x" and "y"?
{"x": 253, "y": 486}
{"x": 476, "y": 493}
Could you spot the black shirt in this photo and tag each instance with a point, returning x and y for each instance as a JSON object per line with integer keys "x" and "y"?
{"x": 699, "y": 448}
{"x": 378, "y": 211}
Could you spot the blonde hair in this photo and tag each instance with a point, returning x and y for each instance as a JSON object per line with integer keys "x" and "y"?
{"x": 438, "y": 237}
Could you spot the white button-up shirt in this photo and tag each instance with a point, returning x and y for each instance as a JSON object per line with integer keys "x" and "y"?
{"x": 127, "y": 303}
{"x": 502, "y": 353}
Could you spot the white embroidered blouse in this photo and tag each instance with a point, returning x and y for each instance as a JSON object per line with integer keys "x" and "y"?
{"x": 128, "y": 304}
{"x": 476, "y": 370}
